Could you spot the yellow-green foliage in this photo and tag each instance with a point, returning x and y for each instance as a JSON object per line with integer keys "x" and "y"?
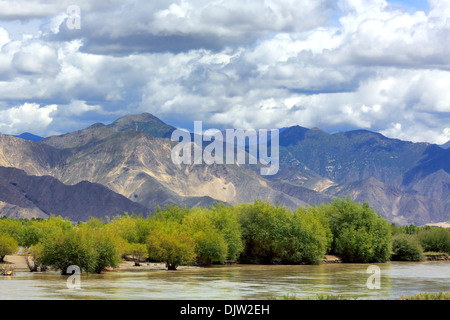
{"x": 173, "y": 246}
{"x": 278, "y": 235}
{"x": 258, "y": 232}
{"x": 406, "y": 247}
{"x": 429, "y": 296}
{"x": 210, "y": 244}
{"x": 436, "y": 239}
{"x": 225, "y": 219}
{"x": 89, "y": 246}
{"x": 360, "y": 235}
{"x": 8, "y": 245}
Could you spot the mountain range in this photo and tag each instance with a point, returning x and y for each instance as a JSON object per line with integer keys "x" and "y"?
{"x": 127, "y": 166}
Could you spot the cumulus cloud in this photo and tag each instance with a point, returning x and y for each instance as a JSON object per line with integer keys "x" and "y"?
{"x": 29, "y": 117}
{"x": 255, "y": 64}
{"x": 4, "y": 37}
{"x": 36, "y": 58}
{"x": 176, "y": 26}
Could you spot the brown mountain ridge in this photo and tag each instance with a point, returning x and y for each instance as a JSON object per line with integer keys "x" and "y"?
{"x": 131, "y": 157}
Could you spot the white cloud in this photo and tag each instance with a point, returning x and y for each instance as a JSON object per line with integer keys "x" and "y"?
{"x": 29, "y": 117}
{"x": 264, "y": 64}
{"x": 4, "y": 37}
{"x": 36, "y": 58}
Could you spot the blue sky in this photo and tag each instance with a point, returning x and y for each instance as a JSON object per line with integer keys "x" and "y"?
{"x": 337, "y": 65}
{"x": 414, "y": 5}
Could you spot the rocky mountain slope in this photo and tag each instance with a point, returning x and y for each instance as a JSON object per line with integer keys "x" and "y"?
{"x": 399, "y": 207}
{"x": 132, "y": 157}
{"x": 28, "y": 196}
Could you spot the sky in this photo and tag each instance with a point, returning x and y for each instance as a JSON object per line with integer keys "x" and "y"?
{"x": 339, "y": 65}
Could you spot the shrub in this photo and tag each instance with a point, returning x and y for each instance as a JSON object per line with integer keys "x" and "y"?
{"x": 306, "y": 242}
{"x": 174, "y": 247}
{"x": 210, "y": 245}
{"x": 8, "y": 246}
{"x": 277, "y": 235}
{"x": 225, "y": 219}
{"x": 406, "y": 248}
{"x": 106, "y": 249}
{"x": 11, "y": 227}
{"x": 360, "y": 235}
{"x": 65, "y": 249}
{"x": 30, "y": 235}
{"x": 138, "y": 252}
{"x": 437, "y": 239}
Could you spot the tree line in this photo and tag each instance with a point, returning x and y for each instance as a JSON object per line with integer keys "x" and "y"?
{"x": 259, "y": 232}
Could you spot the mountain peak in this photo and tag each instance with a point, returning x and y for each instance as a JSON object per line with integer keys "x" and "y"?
{"x": 141, "y": 117}
{"x": 27, "y": 136}
{"x": 446, "y": 145}
{"x": 144, "y": 122}
{"x": 292, "y": 135}
{"x": 96, "y": 125}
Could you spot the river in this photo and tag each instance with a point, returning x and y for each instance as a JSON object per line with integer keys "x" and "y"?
{"x": 237, "y": 282}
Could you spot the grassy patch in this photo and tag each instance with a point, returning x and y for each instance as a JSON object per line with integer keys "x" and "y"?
{"x": 431, "y": 253}
{"x": 332, "y": 297}
{"x": 429, "y": 296}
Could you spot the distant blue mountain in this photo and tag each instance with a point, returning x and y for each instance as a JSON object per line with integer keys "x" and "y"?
{"x": 29, "y": 136}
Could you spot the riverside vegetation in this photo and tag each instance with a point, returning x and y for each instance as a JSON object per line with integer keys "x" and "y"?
{"x": 249, "y": 233}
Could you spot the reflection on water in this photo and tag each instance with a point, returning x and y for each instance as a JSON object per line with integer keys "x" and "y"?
{"x": 236, "y": 282}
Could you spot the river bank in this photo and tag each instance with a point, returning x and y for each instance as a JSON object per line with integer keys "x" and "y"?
{"x": 19, "y": 262}
{"x": 235, "y": 282}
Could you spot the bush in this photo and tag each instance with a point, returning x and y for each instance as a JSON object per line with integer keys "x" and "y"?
{"x": 406, "y": 248}
{"x": 174, "y": 247}
{"x": 437, "y": 239}
{"x": 90, "y": 249}
{"x": 30, "y": 235}
{"x": 277, "y": 235}
{"x": 65, "y": 249}
{"x": 225, "y": 219}
{"x": 210, "y": 245}
{"x": 360, "y": 235}
{"x": 8, "y": 246}
{"x": 308, "y": 238}
{"x": 138, "y": 251}
{"x": 133, "y": 229}
{"x": 11, "y": 227}
{"x": 106, "y": 249}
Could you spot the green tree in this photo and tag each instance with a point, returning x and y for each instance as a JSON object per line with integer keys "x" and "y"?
{"x": 360, "y": 235}
{"x": 406, "y": 248}
{"x": 11, "y": 227}
{"x": 263, "y": 227}
{"x": 307, "y": 242}
{"x": 226, "y": 220}
{"x": 8, "y": 246}
{"x": 435, "y": 239}
{"x": 137, "y": 251}
{"x": 210, "y": 245}
{"x": 174, "y": 247}
{"x": 106, "y": 248}
{"x": 133, "y": 229}
{"x": 30, "y": 235}
{"x": 172, "y": 213}
{"x": 274, "y": 234}
{"x": 68, "y": 248}
{"x": 125, "y": 227}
